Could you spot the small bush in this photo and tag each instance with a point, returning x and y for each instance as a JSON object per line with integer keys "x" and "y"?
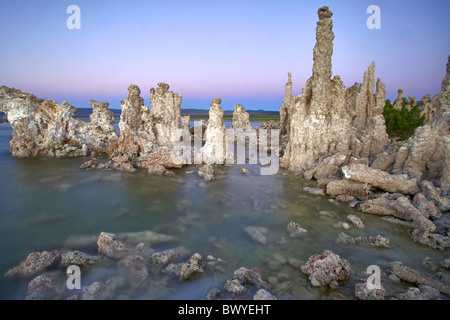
{"x": 401, "y": 124}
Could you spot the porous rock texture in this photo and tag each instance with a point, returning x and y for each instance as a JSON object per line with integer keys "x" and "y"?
{"x": 326, "y": 268}
{"x": 427, "y": 153}
{"x": 41, "y": 127}
{"x": 215, "y": 148}
{"x": 326, "y": 119}
{"x": 241, "y": 118}
{"x": 148, "y": 136}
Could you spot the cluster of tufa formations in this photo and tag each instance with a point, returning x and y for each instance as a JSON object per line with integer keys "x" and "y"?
{"x": 333, "y": 134}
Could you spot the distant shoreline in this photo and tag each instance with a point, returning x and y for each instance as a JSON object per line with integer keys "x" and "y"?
{"x": 198, "y": 114}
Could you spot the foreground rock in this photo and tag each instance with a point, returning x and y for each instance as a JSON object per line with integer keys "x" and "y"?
{"x": 35, "y": 263}
{"x": 326, "y": 269}
{"x": 109, "y": 246}
{"x": 363, "y": 292}
{"x": 407, "y": 274}
{"x": 400, "y": 208}
{"x": 192, "y": 267}
{"x": 381, "y": 179}
{"x": 48, "y": 286}
{"x": 244, "y": 280}
{"x": 423, "y": 292}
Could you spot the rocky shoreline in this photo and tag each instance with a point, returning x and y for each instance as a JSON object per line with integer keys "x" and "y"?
{"x": 334, "y": 135}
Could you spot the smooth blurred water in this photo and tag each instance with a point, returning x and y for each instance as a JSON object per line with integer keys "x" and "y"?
{"x": 43, "y": 202}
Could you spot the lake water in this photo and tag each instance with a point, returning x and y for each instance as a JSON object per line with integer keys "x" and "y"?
{"x": 43, "y": 202}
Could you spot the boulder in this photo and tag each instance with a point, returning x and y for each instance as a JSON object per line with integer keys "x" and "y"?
{"x": 326, "y": 269}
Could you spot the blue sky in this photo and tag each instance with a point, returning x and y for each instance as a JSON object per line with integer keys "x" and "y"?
{"x": 240, "y": 51}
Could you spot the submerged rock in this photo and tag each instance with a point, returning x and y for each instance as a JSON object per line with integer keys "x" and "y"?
{"x": 363, "y": 292}
{"x": 147, "y": 236}
{"x": 414, "y": 276}
{"x": 356, "y": 221}
{"x": 295, "y": 230}
{"x": 432, "y": 240}
{"x": 207, "y": 172}
{"x": 326, "y": 269}
{"x": 257, "y": 233}
{"x": 135, "y": 268}
{"x": 423, "y": 292}
{"x": 161, "y": 259}
{"x": 48, "y": 286}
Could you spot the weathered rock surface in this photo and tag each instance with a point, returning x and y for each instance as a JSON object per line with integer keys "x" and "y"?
{"x": 193, "y": 266}
{"x": 109, "y": 246}
{"x": 47, "y": 286}
{"x": 432, "y": 240}
{"x": 356, "y": 221}
{"x": 326, "y": 268}
{"x": 148, "y": 136}
{"x": 346, "y": 187}
{"x": 400, "y": 208}
{"x": 215, "y": 148}
{"x": 423, "y": 292}
{"x": 35, "y": 263}
{"x": 414, "y": 276}
{"x": 427, "y": 153}
{"x": 326, "y": 119}
{"x": 263, "y": 294}
{"x": 381, "y": 179}
{"x": 363, "y": 292}
{"x": 241, "y": 118}
{"x": 161, "y": 259}
{"x": 42, "y": 127}
{"x": 78, "y": 258}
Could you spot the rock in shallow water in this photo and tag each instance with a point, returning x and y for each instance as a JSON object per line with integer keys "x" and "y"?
{"x": 36, "y": 262}
{"x": 257, "y": 233}
{"x": 326, "y": 268}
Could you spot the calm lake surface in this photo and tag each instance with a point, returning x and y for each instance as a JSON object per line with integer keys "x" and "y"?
{"x": 43, "y": 202}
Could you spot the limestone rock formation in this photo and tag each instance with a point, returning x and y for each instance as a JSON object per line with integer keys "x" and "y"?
{"x": 381, "y": 179}
{"x": 427, "y": 153}
{"x": 42, "y": 127}
{"x": 399, "y": 102}
{"x": 102, "y": 123}
{"x": 35, "y": 263}
{"x": 241, "y": 118}
{"x": 165, "y": 114}
{"x": 286, "y": 111}
{"x": 215, "y": 149}
{"x": 148, "y": 136}
{"x": 326, "y": 268}
{"x": 326, "y": 119}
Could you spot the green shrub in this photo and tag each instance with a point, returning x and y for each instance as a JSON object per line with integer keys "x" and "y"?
{"x": 401, "y": 124}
